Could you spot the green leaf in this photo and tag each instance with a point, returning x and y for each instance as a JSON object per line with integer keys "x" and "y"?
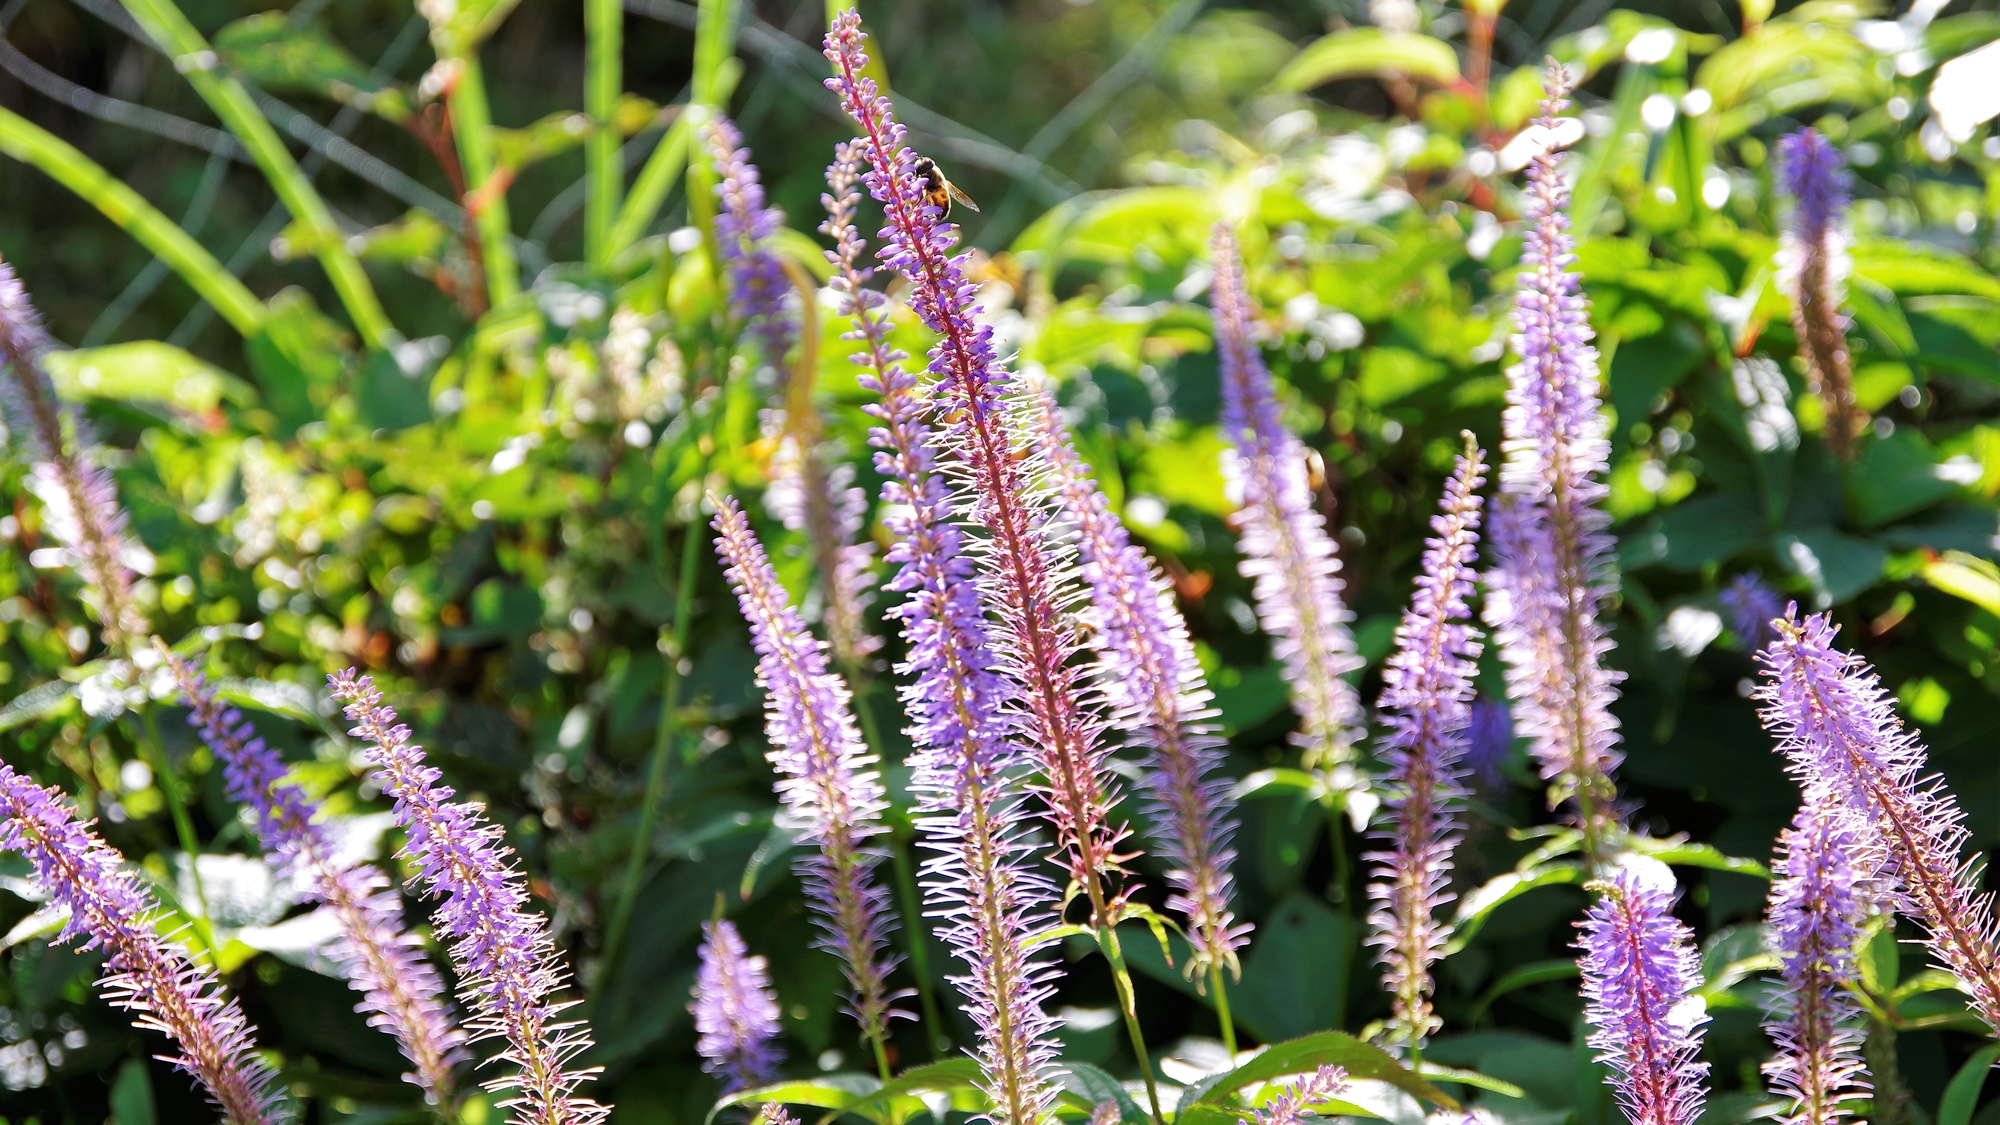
{"x": 1837, "y": 566}
{"x": 40, "y": 924}
{"x": 1369, "y": 52}
{"x": 1527, "y": 976}
{"x": 1961, "y": 1097}
{"x": 1475, "y": 908}
{"x": 1472, "y": 1078}
{"x": 831, "y": 1091}
{"x": 1088, "y": 1087}
{"x": 1325, "y": 1048}
{"x": 1910, "y": 269}
{"x": 1683, "y": 853}
{"x": 1976, "y": 580}
{"x": 144, "y": 371}
{"x": 1295, "y": 977}
{"x": 35, "y": 703}
{"x": 132, "y": 1095}
{"x": 277, "y": 53}
{"x": 1895, "y": 477}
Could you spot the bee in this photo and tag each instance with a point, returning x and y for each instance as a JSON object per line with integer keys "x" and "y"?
{"x": 938, "y": 191}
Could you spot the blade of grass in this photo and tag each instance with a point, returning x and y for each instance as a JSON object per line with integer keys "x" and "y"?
{"x": 650, "y": 190}
{"x": 714, "y": 49}
{"x": 472, "y": 128}
{"x": 32, "y": 145}
{"x": 604, "y": 32}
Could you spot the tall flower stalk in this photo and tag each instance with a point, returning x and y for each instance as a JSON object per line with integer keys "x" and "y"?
{"x": 1641, "y": 976}
{"x": 1287, "y": 553}
{"x": 966, "y": 769}
{"x": 760, "y": 293}
{"x": 1841, "y": 738}
{"x": 1812, "y": 270}
{"x": 1551, "y": 577}
{"x": 1817, "y": 906}
{"x": 827, "y": 777}
{"x": 735, "y": 1012}
{"x": 1425, "y": 706}
{"x": 383, "y": 960}
{"x": 111, "y": 910}
{"x": 1026, "y": 571}
{"x": 508, "y": 966}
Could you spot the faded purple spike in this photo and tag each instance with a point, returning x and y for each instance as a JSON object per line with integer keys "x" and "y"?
{"x": 1842, "y": 739}
{"x": 827, "y": 777}
{"x": 1641, "y": 979}
{"x": 111, "y": 910}
{"x": 966, "y": 770}
{"x": 1489, "y": 742}
{"x": 1551, "y": 577}
{"x": 1812, "y": 270}
{"x": 821, "y": 503}
{"x": 1295, "y": 1102}
{"x": 760, "y": 295}
{"x": 1287, "y": 553}
{"x": 383, "y": 960}
{"x": 508, "y": 966}
{"x": 1818, "y": 904}
{"x": 1427, "y": 689}
{"x": 1753, "y": 607}
{"x": 735, "y": 1011}
{"x": 1158, "y": 694}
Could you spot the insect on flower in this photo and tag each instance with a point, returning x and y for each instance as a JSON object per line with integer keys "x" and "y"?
{"x": 938, "y": 191}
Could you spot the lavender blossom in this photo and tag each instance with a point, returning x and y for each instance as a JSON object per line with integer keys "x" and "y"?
{"x": 1818, "y": 903}
{"x": 1489, "y": 741}
{"x": 1287, "y": 553}
{"x": 1812, "y": 270}
{"x": 1841, "y": 738}
{"x": 1157, "y": 692}
{"x": 380, "y": 958}
{"x": 1551, "y": 577}
{"x": 110, "y": 909}
{"x": 735, "y": 1011}
{"x": 1641, "y": 975}
{"x": 1026, "y": 569}
{"x": 81, "y": 503}
{"x": 965, "y": 772}
{"x": 1427, "y": 687}
{"x": 827, "y": 777}
{"x": 1752, "y": 606}
{"x": 1295, "y": 1102}
{"x": 508, "y": 966}
{"x": 760, "y": 293}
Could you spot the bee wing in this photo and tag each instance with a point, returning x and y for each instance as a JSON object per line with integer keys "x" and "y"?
{"x": 960, "y": 196}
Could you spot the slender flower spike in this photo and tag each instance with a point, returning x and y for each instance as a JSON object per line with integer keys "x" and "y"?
{"x": 1818, "y": 903}
{"x": 1841, "y": 738}
{"x": 760, "y": 294}
{"x": 827, "y": 777}
{"x": 1157, "y": 692}
{"x": 1640, "y": 980}
{"x": 1752, "y": 607}
{"x": 820, "y": 502}
{"x": 965, "y": 771}
{"x": 1551, "y": 551}
{"x": 1027, "y": 570}
{"x": 1427, "y": 690}
{"x": 1287, "y": 553}
{"x": 508, "y": 966}
{"x": 111, "y": 910}
{"x": 1812, "y": 270}
{"x": 1295, "y": 1102}
{"x": 384, "y": 961}
{"x": 735, "y": 1011}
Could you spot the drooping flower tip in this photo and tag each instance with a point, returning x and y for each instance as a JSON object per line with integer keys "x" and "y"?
{"x": 735, "y": 1012}
{"x": 1641, "y": 978}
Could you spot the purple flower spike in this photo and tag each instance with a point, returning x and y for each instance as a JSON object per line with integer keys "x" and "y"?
{"x": 508, "y": 966}
{"x": 111, "y": 910}
{"x": 760, "y": 295}
{"x": 965, "y": 771}
{"x": 1841, "y": 738}
{"x": 1812, "y": 270}
{"x": 1027, "y": 568}
{"x": 1551, "y": 577}
{"x": 827, "y": 777}
{"x": 1752, "y": 607}
{"x": 1640, "y": 980}
{"x": 381, "y": 959}
{"x": 1157, "y": 692}
{"x": 1427, "y": 688}
{"x": 820, "y": 502}
{"x": 1287, "y": 553}
{"x": 1818, "y": 903}
{"x": 1489, "y": 741}
{"x": 1295, "y": 1102}
{"x": 735, "y": 1011}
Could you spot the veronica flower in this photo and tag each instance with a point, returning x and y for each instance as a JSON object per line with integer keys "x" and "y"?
{"x": 80, "y": 501}
{"x": 1841, "y": 738}
{"x": 965, "y": 771}
{"x": 1427, "y": 688}
{"x": 1295, "y": 1102}
{"x": 1817, "y": 906}
{"x": 735, "y": 1012}
{"x": 820, "y": 502}
{"x": 1489, "y": 741}
{"x": 1027, "y": 569}
{"x": 1287, "y": 553}
{"x": 1812, "y": 270}
{"x": 381, "y": 959}
{"x": 1752, "y": 606}
{"x": 827, "y": 777}
{"x": 508, "y": 966}
{"x": 1552, "y": 558}
{"x": 1641, "y": 975}
{"x": 760, "y": 294}
{"x": 1157, "y": 692}
{"x": 111, "y": 910}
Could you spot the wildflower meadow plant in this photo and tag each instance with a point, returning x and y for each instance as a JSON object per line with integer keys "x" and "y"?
{"x": 1641, "y": 974}
{"x": 735, "y": 1013}
{"x": 1819, "y": 902}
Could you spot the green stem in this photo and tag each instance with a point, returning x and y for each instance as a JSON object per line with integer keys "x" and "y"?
{"x": 1222, "y": 1008}
{"x": 650, "y": 190}
{"x": 472, "y": 129}
{"x": 193, "y": 57}
{"x": 30, "y": 144}
{"x": 1128, "y": 1003}
{"x": 155, "y": 753}
{"x": 604, "y": 31}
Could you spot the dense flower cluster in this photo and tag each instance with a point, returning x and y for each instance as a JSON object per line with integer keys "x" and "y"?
{"x": 760, "y": 294}
{"x": 1752, "y": 607}
{"x": 735, "y": 1013}
{"x": 1640, "y": 977}
{"x": 1294, "y": 1103}
{"x": 1813, "y": 270}
{"x": 1818, "y": 903}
